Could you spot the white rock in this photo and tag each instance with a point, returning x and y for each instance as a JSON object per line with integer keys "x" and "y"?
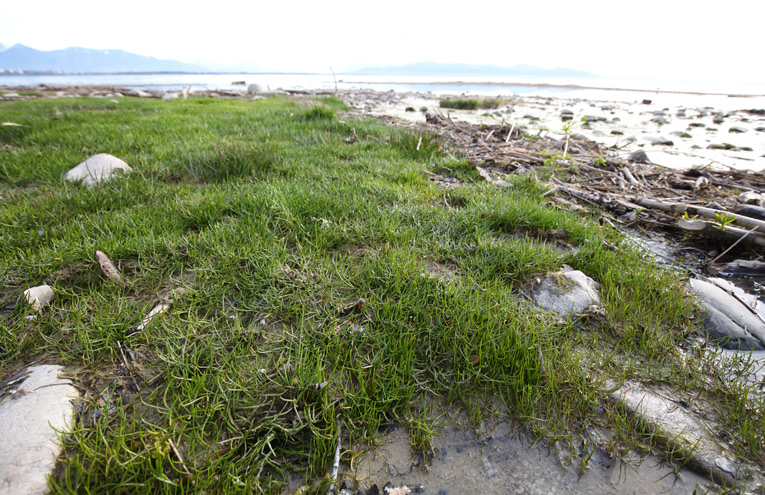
{"x": 684, "y": 429}
{"x": 170, "y": 96}
{"x": 31, "y": 410}
{"x": 39, "y": 297}
{"x": 567, "y": 292}
{"x": 142, "y": 94}
{"x": 254, "y": 89}
{"x": 97, "y": 168}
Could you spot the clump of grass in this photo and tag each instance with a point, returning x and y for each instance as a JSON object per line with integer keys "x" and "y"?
{"x": 229, "y": 161}
{"x": 319, "y": 112}
{"x": 469, "y": 103}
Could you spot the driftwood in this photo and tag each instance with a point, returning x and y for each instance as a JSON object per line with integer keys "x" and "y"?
{"x": 679, "y": 209}
{"x": 726, "y": 233}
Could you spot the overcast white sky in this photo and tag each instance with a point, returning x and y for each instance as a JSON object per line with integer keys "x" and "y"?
{"x": 695, "y": 40}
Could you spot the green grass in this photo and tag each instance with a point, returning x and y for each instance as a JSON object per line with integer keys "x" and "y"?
{"x": 274, "y": 223}
{"x": 469, "y": 103}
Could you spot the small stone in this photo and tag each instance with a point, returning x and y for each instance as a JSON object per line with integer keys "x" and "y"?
{"x": 696, "y": 124}
{"x": 646, "y": 102}
{"x": 566, "y": 111}
{"x": 752, "y": 198}
{"x": 760, "y": 129}
{"x": 737, "y": 130}
{"x": 142, "y": 94}
{"x": 96, "y": 169}
{"x": 170, "y": 96}
{"x": 409, "y": 109}
{"x": 617, "y": 132}
{"x": 719, "y": 119}
{"x": 39, "y": 297}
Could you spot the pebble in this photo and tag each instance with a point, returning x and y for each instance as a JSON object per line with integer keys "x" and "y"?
{"x": 39, "y": 297}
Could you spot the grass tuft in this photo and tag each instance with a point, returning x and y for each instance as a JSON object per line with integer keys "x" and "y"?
{"x": 469, "y": 103}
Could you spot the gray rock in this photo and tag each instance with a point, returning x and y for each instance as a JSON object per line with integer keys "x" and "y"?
{"x": 760, "y": 129}
{"x": 617, "y": 132}
{"x": 681, "y": 429}
{"x": 254, "y": 89}
{"x": 142, "y": 94}
{"x": 33, "y": 405}
{"x": 567, "y": 292}
{"x": 659, "y": 141}
{"x": 638, "y": 156}
{"x": 566, "y": 111}
{"x": 170, "y": 96}
{"x": 96, "y": 169}
{"x": 39, "y": 297}
{"x": 737, "y": 130}
{"x": 728, "y": 320}
{"x": 722, "y": 146}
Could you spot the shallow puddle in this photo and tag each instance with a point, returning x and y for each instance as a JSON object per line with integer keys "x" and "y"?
{"x": 505, "y": 461}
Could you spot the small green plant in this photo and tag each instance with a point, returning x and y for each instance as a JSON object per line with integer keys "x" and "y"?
{"x": 724, "y": 220}
{"x": 551, "y": 160}
{"x": 601, "y": 161}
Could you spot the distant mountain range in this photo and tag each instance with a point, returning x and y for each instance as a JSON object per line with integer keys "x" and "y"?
{"x": 436, "y": 69}
{"x": 24, "y": 58}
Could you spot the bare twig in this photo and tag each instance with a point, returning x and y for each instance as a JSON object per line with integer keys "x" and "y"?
{"x": 733, "y": 245}
{"x": 336, "y": 463}
{"x": 178, "y": 455}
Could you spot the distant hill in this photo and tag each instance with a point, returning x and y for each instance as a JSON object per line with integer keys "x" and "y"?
{"x": 436, "y": 69}
{"x": 20, "y": 57}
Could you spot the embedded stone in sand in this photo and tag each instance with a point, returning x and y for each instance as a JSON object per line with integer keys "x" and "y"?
{"x": 567, "y": 292}
{"x": 34, "y": 405}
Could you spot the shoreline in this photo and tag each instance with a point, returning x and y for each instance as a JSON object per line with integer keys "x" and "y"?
{"x": 557, "y": 86}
